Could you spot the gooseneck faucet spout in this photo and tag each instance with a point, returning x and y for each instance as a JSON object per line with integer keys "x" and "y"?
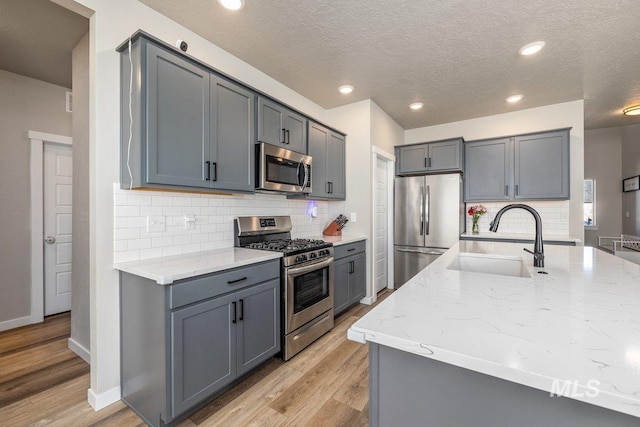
{"x": 538, "y": 250}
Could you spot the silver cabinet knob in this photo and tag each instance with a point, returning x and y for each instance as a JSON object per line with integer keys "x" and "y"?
{"x": 50, "y": 240}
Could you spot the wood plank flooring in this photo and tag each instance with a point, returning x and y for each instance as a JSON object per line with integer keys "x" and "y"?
{"x": 43, "y": 383}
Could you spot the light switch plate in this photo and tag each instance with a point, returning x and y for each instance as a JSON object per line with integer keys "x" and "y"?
{"x": 353, "y": 217}
{"x": 156, "y": 223}
{"x": 189, "y": 222}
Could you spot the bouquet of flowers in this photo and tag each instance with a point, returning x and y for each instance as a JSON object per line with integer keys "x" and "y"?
{"x": 475, "y": 212}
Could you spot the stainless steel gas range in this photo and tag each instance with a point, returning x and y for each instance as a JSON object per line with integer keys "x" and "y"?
{"x": 306, "y": 278}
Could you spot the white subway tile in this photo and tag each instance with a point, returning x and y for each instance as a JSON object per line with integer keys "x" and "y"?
{"x": 133, "y": 244}
{"x": 161, "y": 201}
{"x": 126, "y": 256}
{"x": 121, "y": 211}
{"x": 126, "y": 233}
{"x": 158, "y": 242}
{"x": 181, "y": 201}
{"x": 172, "y": 250}
{"x": 150, "y": 210}
{"x": 150, "y": 253}
{"x": 139, "y": 200}
{"x": 183, "y": 239}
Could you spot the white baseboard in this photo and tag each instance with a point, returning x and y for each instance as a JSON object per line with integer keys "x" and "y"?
{"x": 369, "y": 300}
{"x": 79, "y": 350}
{"x": 102, "y": 400}
{"x": 15, "y": 323}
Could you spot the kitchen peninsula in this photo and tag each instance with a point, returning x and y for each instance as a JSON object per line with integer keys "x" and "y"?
{"x": 457, "y": 347}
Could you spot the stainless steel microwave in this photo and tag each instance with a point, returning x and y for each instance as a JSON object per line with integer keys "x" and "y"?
{"x": 282, "y": 170}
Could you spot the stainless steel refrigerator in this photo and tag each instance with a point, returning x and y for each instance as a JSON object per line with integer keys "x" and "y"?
{"x": 429, "y": 218}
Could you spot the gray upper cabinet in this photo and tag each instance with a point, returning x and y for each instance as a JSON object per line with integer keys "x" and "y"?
{"x": 177, "y": 120}
{"x": 487, "y": 170}
{"x": 280, "y": 126}
{"x": 232, "y": 136}
{"x": 430, "y": 157}
{"x": 523, "y": 167}
{"x": 541, "y": 168}
{"x": 191, "y": 127}
{"x": 327, "y": 148}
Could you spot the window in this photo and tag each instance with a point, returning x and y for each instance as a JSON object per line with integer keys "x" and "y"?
{"x": 590, "y": 202}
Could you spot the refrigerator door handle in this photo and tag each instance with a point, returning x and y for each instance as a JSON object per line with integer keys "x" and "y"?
{"x": 421, "y": 211}
{"x": 427, "y": 205}
{"x": 420, "y": 251}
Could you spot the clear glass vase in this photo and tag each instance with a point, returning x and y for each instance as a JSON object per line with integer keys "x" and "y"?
{"x": 474, "y": 228}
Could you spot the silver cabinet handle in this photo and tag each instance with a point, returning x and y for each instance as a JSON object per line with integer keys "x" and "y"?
{"x": 50, "y": 240}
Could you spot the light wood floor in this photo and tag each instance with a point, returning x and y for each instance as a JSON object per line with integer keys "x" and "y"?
{"x": 43, "y": 383}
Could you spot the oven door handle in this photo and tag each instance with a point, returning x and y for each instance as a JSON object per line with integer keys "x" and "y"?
{"x": 296, "y": 271}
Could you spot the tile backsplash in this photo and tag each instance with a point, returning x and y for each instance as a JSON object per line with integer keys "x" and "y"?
{"x": 554, "y": 214}
{"x": 213, "y": 226}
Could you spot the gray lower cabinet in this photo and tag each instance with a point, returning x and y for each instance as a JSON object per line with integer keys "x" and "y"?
{"x": 522, "y": 167}
{"x": 189, "y": 127}
{"x": 280, "y": 126}
{"x": 349, "y": 275}
{"x": 183, "y": 343}
{"x": 328, "y": 174}
{"x": 430, "y": 157}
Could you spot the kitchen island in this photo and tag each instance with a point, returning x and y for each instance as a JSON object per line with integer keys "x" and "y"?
{"x": 455, "y": 347}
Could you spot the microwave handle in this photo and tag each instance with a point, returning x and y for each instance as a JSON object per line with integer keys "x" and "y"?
{"x": 306, "y": 176}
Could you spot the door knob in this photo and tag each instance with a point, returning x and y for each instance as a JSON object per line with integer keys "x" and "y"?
{"x": 50, "y": 240}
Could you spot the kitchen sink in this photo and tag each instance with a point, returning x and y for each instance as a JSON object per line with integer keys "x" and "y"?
{"x": 502, "y": 265}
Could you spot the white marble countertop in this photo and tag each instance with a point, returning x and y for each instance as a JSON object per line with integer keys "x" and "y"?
{"x": 579, "y": 322}
{"x": 167, "y": 270}
{"x": 488, "y": 235}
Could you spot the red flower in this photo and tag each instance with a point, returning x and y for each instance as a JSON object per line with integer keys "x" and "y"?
{"x": 470, "y": 211}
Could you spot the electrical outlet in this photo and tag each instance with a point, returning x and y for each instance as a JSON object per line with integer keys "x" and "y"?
{"x": 189, "y": 222}
{"x": 156, "y": 223}
{"x": 353, "y": 217}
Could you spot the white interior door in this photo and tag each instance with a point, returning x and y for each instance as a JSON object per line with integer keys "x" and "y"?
{"x": 381, "y": 273}
{"x": 57, "y": 177}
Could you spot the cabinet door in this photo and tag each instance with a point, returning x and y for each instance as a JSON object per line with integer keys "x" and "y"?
{"x": 341, "y": 285}
{"x": 203, "y": 351}
{"x": 541, "y": 169}
{"x": 177, "y": 120}
{"x": 232, "y": 138}
{"x": 336, "y": 166}
{"x": 445, "y": 155}
{"x": 271, "y": 120}
{"x": 258, "y": 324}
{"x": 414, "y": 158}
{"x": 318, "y": 141}
{"x": 487, "y": 170}
{"x": 357, "y": 278}
{"x": 296, "y": 128}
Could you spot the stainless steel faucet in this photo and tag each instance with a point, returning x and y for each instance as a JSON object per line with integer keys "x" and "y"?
{"x": 538, "y": 250}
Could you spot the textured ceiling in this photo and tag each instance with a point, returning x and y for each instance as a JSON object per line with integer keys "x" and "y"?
{"x": 36, "y": 39}
{"x": 458, "y": 57}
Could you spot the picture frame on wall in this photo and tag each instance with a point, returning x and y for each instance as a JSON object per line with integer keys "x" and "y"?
{"x": 631, "y": 184}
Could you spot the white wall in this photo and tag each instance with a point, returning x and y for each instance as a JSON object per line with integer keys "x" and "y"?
{"x": 568, "y": 114}
{"x": 110, "y": 25}
{"x": 631, "y": 167}
{"x": 27, "y": 104}
{"x": 385, "y": 132}
{"x": 602, "y": 162}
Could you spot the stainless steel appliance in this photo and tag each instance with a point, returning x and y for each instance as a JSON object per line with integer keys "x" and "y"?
{"x": 306, "y": 278}
{"x": 282, "y": 170}
{"x": 429, "y": 218}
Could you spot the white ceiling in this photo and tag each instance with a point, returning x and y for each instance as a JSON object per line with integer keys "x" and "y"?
{"x": 458, "y": 57}
{"x": 36, "y": 39}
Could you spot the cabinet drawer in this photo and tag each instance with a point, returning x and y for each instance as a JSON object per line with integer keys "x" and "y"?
{"x": 348, "y": 249}
{"x": 193, "y": 290}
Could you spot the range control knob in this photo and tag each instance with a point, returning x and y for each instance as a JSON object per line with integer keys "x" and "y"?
{"x": 313, "y": 255}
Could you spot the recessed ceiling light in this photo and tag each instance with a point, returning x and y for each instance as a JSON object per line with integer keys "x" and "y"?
{"x": 345, "y": 89}
{"x": 232, "y": 4}
{"x": 531, "y": 48}
{"x": 416, "y": 105}
{"x": 632, "y": 111}
{"x": 514, "y": 98}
